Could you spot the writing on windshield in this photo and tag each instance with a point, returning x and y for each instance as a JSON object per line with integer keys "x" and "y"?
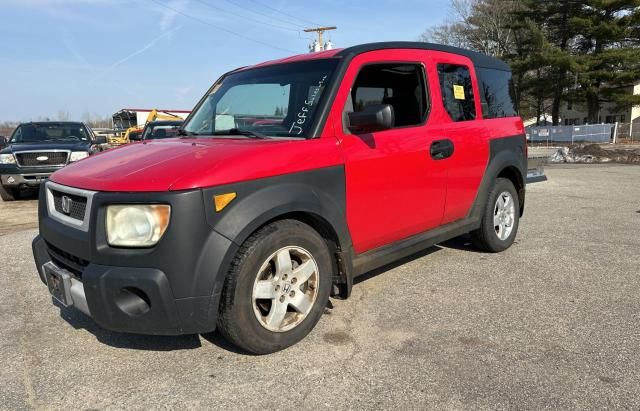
{"x": 279, "y": 100}
{"x": 301, "y": 118}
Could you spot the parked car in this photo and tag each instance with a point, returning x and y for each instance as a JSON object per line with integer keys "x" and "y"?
{"x": 35, "y": 150}
{"x": 161, "y": 129}
{"x": 135, "y": 135}
{"x": 291, "y": 178}
{"x": 106, "y": 132}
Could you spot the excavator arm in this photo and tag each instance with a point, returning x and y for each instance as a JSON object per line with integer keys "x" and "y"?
{"x": 160, "y": 115}
{"x": 153, "y": 116}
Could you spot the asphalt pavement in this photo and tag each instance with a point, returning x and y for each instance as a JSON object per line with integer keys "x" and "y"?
{"x": 553, "y": 322}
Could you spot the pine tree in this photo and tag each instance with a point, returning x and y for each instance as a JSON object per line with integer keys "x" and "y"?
{"x": 545, "y": 26}
{"x": 559, "y": 50}
{"x": 607, "y": 50}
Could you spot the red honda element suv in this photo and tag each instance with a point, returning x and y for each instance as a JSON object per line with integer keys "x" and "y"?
{"x": 289, "y": 179}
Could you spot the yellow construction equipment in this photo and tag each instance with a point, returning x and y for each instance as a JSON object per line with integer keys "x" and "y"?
{"x": 153, "y": 116}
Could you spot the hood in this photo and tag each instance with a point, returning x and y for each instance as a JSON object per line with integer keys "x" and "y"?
{"x": 73, "y": 146}
{"x": 182, "y": 164}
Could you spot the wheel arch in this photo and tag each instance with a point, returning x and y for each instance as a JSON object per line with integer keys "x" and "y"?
{"x": 513, "y": 174}
{"x": 316, "y": 198}
{"x": 507, "y": 159}
{"x": 342, "y": 275}
{"x": 318, "y": 209}
{"x": 320, "y": 224}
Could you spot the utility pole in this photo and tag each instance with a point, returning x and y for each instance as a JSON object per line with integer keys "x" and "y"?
{"x": 320, "y": 31}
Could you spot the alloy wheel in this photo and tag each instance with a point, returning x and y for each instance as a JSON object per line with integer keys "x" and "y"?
{"x": 285, "y": 289}
{"x": 504, "y": 213}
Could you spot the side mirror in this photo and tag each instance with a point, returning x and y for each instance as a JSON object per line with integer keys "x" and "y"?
{"x": 100, "y": 140}
{"x": 376, "y": 117}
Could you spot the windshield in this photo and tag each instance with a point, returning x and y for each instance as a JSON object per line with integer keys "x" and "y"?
{"x": 275, "y": 101}
{"x": 161, "y": 131}
{"x": 48, "y": 132}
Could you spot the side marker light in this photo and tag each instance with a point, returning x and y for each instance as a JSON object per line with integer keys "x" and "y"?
{"x": 223, "y": 200}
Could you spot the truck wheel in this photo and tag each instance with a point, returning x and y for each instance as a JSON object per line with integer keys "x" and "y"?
{"x": 277, "y": 288}
{"x": 8, "y": 193}
{"x": 500, "y": 219}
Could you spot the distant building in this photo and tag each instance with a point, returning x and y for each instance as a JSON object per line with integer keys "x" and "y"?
{"x": 574, "y": 113}
{"x": 544, "y": 120}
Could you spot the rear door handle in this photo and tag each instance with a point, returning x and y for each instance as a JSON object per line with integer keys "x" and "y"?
{"x": 441, "y": 149}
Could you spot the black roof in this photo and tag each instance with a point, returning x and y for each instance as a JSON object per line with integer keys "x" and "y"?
{"x": 478, "y": 59}
{"x": 41, "y": 123}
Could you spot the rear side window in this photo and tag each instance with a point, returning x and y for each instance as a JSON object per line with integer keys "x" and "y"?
{"x": 496, "y": 93}
{"x": 400, "y": 85}
{"x": 457, "y": 91}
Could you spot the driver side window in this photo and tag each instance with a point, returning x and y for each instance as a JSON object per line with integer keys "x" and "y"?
{"x": 402, "y": 86}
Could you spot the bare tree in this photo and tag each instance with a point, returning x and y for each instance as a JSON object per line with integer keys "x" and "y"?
{"x": 7, "y": 127}
{"x": 481, "y": 25}
{"x": 63, "y": 115}
{"x": 94, "y": 120}
{"x": 450, "y": 34}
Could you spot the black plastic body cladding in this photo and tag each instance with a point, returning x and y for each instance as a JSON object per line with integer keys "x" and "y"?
{"x": 183, "y": 263}
{"x": 319, "y": 192}
{"x": 504, "y": 154}
{"x": 182, "y": 277}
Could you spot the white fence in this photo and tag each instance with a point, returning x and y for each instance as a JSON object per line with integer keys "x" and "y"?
{"x": 627, "y": 132}
{"x": 595, "y": 133}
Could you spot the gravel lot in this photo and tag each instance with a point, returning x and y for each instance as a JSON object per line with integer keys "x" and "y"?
{"x": 19, "y": 215}
{"x": 554, "y": 322}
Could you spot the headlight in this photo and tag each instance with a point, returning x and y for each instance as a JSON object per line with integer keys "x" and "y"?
{"x": 78, "y": 155}
{"x": 7, "y": 159}
{"x": 136, "y": 225}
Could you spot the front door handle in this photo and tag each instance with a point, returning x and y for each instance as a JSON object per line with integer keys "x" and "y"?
{"x": 441, "y": 149}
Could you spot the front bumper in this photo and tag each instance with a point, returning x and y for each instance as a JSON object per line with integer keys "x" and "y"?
{"x": 16, "y": 176}
{"x": 17, "y": 180}
{"x": 170, "y": 289}
{"x": 137, "y": 300}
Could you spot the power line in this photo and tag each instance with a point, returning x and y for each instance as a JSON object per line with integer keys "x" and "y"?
{"x": 246, "y": 17}
{"x": 287, "y": 21}
{"x": 284, "y": 13}
{"x": 264, "y": 43}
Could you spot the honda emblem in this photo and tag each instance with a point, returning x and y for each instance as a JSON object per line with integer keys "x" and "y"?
{"x": 66, "y": 204}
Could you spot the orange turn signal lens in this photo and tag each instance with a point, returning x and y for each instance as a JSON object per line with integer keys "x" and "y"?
{"x": 223, "y": 200}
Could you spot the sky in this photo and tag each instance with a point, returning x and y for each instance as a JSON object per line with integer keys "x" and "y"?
{"x": 94, "y": 57}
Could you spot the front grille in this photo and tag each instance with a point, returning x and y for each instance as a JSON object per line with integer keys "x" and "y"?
{"x": 42, "y": 158}
{"x": 68, "y": 261}
{"x": 75, "y": 205}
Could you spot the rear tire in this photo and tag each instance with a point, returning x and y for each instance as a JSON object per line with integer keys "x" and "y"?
{"x": 8, "y": 193}
{"x": 277, "y": 288}
{"x": 500, "y": 218}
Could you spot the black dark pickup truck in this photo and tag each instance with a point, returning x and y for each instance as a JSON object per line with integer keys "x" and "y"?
{"x": 36, "y": 150}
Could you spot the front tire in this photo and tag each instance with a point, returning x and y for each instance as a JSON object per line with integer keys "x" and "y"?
{"x": 8, "y": 193}
{"x": 277, "y": 288}
{"x": 500, "y": 219}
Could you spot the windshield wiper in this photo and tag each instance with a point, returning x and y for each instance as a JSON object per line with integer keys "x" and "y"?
{"x": 183, "y": 132}
{"x": 241, "y": 132}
